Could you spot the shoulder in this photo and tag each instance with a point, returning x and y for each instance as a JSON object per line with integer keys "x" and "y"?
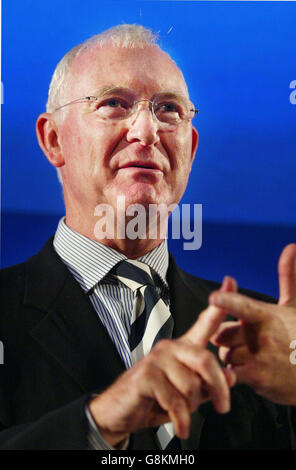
{"x": 207, "y": 286}
{"x": 12, "y": 275}
{"x": 15, "y": 280}
{"x": 12, "y": 282}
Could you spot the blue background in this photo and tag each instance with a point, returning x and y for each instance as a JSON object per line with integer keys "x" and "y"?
{"x": 238, "y": 59}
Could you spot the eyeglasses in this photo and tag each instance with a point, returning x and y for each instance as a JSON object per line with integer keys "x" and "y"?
{"x": 168, "y": 109}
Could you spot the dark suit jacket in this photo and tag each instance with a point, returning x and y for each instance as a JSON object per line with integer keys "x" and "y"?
{"x": 57, "y": 352}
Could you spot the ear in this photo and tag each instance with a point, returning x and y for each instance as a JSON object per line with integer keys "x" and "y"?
{"x": 195, "y": 139}
{"x": 48, "y": 137}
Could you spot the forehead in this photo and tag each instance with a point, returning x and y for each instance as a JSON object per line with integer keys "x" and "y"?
{"x": 146, "y": 70}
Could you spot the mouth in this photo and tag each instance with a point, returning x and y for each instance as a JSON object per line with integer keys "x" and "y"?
{"x": 141, "y": 165}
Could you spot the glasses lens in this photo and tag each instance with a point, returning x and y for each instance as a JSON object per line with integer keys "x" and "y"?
{"x": 172, "y": 110}
{"x": 114, "y": 108}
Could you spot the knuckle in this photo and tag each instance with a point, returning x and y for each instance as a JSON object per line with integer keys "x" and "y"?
{"x": 205, "y": 358}
{"x": 191, "y": 389}
{"x": 257, "y": 306}
{"x": 145, "y": 370}
{"x": 161, "y": 346}
{"x": 247, "y": 304}
{"x": 176, "y": 403}
{"x": 266, "y": 341}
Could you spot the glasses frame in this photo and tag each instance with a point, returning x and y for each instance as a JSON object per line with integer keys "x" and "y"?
{"x": 133, "y": 109}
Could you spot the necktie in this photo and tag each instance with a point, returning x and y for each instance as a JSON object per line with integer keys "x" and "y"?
{"x": 151, "y": 321}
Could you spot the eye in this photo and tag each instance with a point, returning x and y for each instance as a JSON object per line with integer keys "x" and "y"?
{"x": 115, "y": 103}
{"x": 169, "y": 111}
{"x": 113, "y": 108}
{"x": 168, "y": 107}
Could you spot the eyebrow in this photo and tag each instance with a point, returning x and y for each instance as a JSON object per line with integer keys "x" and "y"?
{"x": 112, "y": 89}
{"x": 128, "y": 91}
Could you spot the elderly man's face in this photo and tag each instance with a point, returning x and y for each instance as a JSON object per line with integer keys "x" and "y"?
{"x": 103, "y": 159}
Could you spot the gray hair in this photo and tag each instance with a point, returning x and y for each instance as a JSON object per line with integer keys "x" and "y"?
{"x": 125, "y": 35}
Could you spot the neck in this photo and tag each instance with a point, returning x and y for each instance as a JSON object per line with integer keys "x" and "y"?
{"x": 115, "y": 238}
{"x": 133, "y": 250}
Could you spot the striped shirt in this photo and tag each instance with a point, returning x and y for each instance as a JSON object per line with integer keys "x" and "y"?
{"x": 90, "y": 262}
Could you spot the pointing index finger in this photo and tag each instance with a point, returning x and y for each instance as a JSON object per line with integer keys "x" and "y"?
{"x": 287, "y": 275}
{"x": 211, "y": 318}
{"x": 206, "y": 325}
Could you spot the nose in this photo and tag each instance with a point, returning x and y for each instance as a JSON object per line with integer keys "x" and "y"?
{"x": 143, "y": 127}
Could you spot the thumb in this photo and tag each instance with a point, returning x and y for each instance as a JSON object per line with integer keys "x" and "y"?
{"x": 229, "y": 284}
{"x": 287, "y": 276}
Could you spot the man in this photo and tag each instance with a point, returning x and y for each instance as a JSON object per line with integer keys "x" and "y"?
{"x": 118, "y": 124}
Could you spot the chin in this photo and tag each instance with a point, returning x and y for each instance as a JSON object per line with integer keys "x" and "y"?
{"x": 143, "y": 194}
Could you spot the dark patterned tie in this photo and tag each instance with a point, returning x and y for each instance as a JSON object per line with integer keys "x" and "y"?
{"x": 151, "y": 321}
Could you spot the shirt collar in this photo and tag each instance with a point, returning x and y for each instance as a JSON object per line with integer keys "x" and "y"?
{"x": 90, "y": 261}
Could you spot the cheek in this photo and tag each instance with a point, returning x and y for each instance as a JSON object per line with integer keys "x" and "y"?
{"x": 80, "y": 146}
{"x": 88, "y": 141}
{"x": 181, "y": 165}
{"x": 181, "y": 158}
{"x": 71, "y": 140}
{"x": 179, "y": 147}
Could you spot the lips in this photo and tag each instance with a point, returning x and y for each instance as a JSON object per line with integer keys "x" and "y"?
{"x": 141, "y": 164}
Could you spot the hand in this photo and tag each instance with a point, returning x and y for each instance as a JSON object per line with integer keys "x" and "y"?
{"x": 258, "y": 345}
{"x": 168, "y": 384}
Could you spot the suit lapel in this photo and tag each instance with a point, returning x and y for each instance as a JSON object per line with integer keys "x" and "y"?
{"x": 186, "y": 302}
{"x": 69, "y": 329}
{"x": 188, "y": 299}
